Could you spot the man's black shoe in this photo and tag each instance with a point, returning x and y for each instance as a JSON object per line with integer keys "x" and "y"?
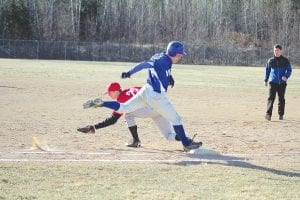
{"x": 135, "y": 144}
{"x": 281, "y": 117}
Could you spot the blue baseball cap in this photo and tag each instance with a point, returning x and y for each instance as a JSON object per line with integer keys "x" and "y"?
{"x": 175, "y": 47}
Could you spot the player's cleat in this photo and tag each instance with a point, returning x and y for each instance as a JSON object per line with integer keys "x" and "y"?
{"x": 135, "y": 144}
{"x": 268, "y": 117}
{"x": 93, "y": 103}
{"x": 280, "y": 117}
{"x": 192, "y": 145}
{"x": 87, "y": 129}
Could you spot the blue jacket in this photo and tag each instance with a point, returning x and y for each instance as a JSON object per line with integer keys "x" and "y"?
{"x": 276, "y": 68}
{"x": 159, "y": 71}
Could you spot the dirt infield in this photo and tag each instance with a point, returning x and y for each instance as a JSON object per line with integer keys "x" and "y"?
{"x": 44, "y": 99}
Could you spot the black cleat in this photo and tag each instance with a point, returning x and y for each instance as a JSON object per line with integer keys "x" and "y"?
{"x": 281, "y": 117}
{"x": 135, "y": 144}
{"x": 192, "y": 145}
{"x": 87, "y": 129}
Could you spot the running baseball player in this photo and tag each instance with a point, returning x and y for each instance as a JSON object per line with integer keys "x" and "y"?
{"x": 153, "y": 94}
{"x": 115, "y": 92}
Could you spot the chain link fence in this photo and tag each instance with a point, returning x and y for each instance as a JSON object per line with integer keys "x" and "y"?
{"x": 93, "y": 51}
{"x": 66, "y": 50}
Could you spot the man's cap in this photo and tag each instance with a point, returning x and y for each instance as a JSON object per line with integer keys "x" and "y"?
{"x": 175, "y": 47}
{"x": 114, "y": 86}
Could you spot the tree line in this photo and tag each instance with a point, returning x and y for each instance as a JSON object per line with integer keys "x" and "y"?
{"x": 227, "y": 23}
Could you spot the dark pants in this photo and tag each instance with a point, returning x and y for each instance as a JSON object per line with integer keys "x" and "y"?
{"x": 280, "y": 90}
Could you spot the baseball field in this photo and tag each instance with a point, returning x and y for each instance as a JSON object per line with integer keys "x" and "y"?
{"x": 223, "y": 105}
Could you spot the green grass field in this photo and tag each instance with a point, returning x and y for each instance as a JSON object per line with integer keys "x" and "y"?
{"x": 142, "y": 181}
{"x": 45, "y": 97}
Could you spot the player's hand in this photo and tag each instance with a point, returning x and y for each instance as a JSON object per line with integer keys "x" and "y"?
{"x": 171, "y": 82}
{"x": 266, "y": 83}
{"x": 125, "y": 75}
{"x": 283, "y": 78}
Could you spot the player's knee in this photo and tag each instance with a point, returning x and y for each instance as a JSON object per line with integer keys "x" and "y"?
{"x": 176, "y": 120}
{"x": 171, "y": 136}
{"x": 130, "y": 122}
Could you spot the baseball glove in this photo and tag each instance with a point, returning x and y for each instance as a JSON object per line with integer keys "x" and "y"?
{"x": 87, "y": 129}
{"x": 93, "y": 103}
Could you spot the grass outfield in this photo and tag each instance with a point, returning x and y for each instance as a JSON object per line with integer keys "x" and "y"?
{"x": 224, "y": 105}
{"x": 142, "y": 181}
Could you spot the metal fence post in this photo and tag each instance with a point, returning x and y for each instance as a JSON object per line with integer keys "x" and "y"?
{"x": 37, "y": 49}
{"x": 65, "y": 50}
{"x": 9, "y": 48}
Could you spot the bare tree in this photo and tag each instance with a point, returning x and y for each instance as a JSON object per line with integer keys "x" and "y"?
{"x": 35, "y": 19}
{"x": 75, "y": 8}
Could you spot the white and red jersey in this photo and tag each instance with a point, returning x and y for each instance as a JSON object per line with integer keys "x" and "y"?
{"x": 127, "y": 94}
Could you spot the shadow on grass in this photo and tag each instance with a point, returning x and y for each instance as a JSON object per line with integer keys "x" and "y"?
{"x": 216, "y": 159}
{"x": 233, "y": 161}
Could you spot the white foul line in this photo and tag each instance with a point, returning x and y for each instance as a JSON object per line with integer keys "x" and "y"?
{"x": 235, "y": 157}
{"x": 84, "y": 153}
{"x": 139, "y": 154}
{"x": 91, "y": 160}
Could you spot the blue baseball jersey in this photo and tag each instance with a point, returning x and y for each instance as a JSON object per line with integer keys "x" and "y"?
{"x": 159, "y": 71}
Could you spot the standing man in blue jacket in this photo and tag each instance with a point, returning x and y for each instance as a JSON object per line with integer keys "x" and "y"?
{"x": 278, "y": 70}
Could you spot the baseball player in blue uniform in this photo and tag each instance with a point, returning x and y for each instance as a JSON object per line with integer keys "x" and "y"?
{"x": 153, "y": 94}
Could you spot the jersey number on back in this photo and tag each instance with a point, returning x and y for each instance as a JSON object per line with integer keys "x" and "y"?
{"x": 132, "y": 91}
